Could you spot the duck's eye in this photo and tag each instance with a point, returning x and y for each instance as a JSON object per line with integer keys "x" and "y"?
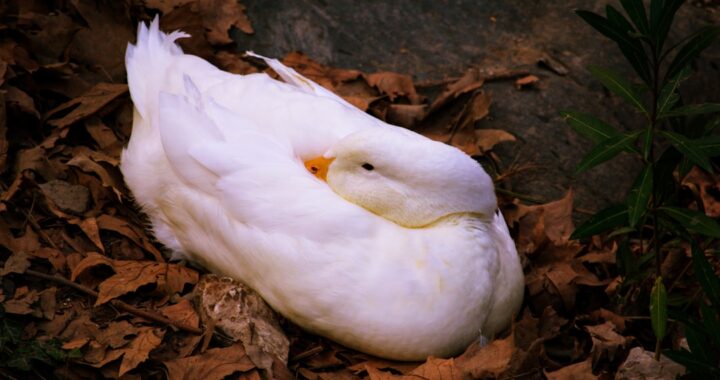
{"x": 367, "y": 166}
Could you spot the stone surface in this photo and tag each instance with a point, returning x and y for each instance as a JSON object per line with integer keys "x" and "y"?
{"x": 641, "y": 365}
{"x": 433, "y": 40}
{"x": 73, "y": 199}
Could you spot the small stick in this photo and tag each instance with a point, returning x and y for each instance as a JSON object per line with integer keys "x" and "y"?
{"x": 117, "y": 303}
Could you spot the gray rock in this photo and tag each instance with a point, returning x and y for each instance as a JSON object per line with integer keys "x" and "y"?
{"x": 641, "y": 365}
{"x": 73, "y": 199}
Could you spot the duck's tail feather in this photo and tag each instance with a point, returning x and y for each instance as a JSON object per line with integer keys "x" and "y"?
{"x": 148, "y": 59}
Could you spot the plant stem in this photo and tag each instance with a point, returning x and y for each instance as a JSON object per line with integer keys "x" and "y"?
{"x": 653, "y": 168}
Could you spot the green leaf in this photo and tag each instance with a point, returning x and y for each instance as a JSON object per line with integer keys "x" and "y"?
{"x": 640, "y": 195}
{"x": 636, "y": 10}
{"x": 693, "y": 363}
{"x": 619, "y": 86}
{"x": 606, "y": 150}
{"x": 630, "y": 46}
{"x": 711, "y": 322}
{"x": 706, "y": 275}
{"x": 589, "y": 126}
{"x": 658, "y": 308}
{"x": 669, "y": 93}
{"x": 604, "y": 220}
{"x": 710, "y": 145}
{"x": 647, "y": 142}
{"x": 694, "y": 221}
{"x": 692, "y": 109}
{"x": 688, "y": 148}
{"x": 696, "y": 340}
{"x": 662, "y": 13}
{"x": 664, "y": 173}
{"x": 692, "y": 49}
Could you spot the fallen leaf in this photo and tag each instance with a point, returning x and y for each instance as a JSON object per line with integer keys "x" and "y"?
{"x": 491, "y": 360}
{"x": 139, "y": 349}
{"x": 488, "y": 138}
{"x": 469, "y": 82}
{"x": 16, "y": 263}
{"x": 88, "y": 104}
{"x": 526, "y": 81}
{"x": 394, "y": 85}
{"x": 708, "y": 187}
{"x": 21, "y": 100}
{"x": 182, "y": 312}
{"x": 440, "y": 369}
{"x": 577, "y": 371}
{"x": 219, "y": 16}
{"x": 21, "y": 301}
{"x": 214, "y": 364}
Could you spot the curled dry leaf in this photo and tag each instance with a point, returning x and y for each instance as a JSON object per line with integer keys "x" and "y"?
{"x": 526, "y": 81}
{"x": 469, "y": 82}
{"x": 708, "y": 187}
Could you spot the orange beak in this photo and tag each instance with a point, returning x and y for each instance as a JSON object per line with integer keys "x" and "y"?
{"x": 319, "y": 166}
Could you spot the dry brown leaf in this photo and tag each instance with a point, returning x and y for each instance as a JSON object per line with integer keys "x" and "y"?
{"x": 165, "y": 6}
{"x": 54, "y": 256}
{"x": 16, "y": 263}
{"x": 139, "y": 349}
{"x": 110, "y": 179}
{"x": 394, "y": 85}
{"x": 607, "y": 343}
{"x": 577, "y": 371}
{"x": 21, "y": 301}
{"x": 182, "y": 312}
{"x": 470, "y": 81}
{"x": 101, "y": 39}
{"x": 214, "y": 364}
{"x": 130, "y": 275}
{"x": 405, "y": 115}
{"x": 526, "y": 81}
{"x": 90, "y": 227}
{"x": 440, "y": 369}
{"x": 219, "y": 16}
{"x": 488, "y": 138}
{"x": 89, "y": 103}
{"x": 92, "y": 260}
{"x": 23, "y": 101}
{"x": 111, "y": 223}
{"x": 489, "y": 361}
{"x": 708, "y": 187}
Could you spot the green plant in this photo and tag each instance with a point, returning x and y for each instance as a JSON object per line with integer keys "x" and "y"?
{"x": 24, "y": 355}
{"x": 675, "y": 137}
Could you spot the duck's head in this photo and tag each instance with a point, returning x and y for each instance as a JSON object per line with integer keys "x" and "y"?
{"x": 405, "y": 177}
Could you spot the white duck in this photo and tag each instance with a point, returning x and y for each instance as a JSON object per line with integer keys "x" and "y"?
{"x": 401, "y": 253}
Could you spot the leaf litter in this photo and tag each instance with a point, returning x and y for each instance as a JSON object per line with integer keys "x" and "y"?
{"x": 79, "y": 266}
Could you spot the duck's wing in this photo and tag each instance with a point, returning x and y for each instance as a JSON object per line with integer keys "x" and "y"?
{"x": 250, "y": 176}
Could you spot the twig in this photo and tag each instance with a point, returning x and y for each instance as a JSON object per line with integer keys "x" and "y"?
{"x": 117, "y": 303}
{"x": 306, "y": 354}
